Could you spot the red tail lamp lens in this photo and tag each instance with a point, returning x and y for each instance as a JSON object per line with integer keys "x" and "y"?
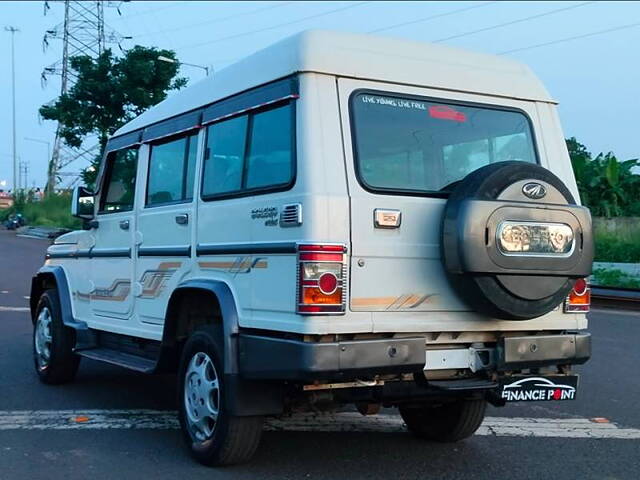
{"x": 328, "y": 283}
{"x": 580, "y": 287}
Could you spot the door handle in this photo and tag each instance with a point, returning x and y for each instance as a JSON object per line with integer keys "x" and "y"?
{"x": 124, "y": 224}
{"x": 182, "y": 219}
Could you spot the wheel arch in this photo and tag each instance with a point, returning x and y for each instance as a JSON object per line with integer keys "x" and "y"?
{"x": 53, "y": 277}
{"x": 221, "y": 293}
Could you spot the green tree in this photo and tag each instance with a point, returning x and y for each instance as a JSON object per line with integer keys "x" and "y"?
{"x": 108, "y": 92}
{"x": 607, "y": 186}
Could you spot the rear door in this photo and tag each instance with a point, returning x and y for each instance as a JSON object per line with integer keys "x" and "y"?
{"x": 405, "y": 148}
{"x": 165, "y": 223}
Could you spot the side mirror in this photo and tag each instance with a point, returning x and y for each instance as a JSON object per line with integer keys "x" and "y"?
{"x": 82, "y": 203}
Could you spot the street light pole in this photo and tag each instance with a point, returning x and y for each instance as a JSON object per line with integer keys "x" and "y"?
{"x": 48, "y": 144}
{"x": 13, "y": 31}
{"x": 171, "y": 60}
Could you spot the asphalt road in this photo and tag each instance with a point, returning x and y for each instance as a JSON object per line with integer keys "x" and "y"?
{"x": 610, "y": 388}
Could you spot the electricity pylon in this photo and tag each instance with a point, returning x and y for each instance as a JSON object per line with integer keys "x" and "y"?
{"x": 82, "y": 32}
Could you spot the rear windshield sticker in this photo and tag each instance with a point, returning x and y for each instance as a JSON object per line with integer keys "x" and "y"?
{"x": 446, "y": 113}
{"x": 394, "y": 102}
{"x": 441, "y": 112}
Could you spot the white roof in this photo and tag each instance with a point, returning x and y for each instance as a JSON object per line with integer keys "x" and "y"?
{"x": 362, "y": 56}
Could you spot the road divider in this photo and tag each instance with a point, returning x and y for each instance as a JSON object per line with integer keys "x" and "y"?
{"x": 336, "y": 422}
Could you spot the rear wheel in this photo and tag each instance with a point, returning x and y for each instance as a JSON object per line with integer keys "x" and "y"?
{"x": 53, "y": 342}
{"x": 214, "y": 436}
{"x": 449, "y": 422}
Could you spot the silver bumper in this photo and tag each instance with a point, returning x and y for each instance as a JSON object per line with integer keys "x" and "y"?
{"x": 538, "y": 351}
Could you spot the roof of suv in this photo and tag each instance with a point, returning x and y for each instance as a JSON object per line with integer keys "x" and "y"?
{"x": 357, "y": 56}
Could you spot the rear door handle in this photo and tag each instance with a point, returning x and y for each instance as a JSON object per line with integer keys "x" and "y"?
{"x": 182, "y": 219}
{"x": 124, "y": 224}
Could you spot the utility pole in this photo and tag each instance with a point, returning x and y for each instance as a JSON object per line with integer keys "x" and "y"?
{"x": 82, "y": 33}
{"x": 13, "y": 31}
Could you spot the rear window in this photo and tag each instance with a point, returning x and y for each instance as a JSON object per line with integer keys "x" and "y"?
{"x": 410, "y": 145}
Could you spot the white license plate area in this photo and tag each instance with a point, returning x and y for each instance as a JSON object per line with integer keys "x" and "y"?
{"x": 453, "y": 358}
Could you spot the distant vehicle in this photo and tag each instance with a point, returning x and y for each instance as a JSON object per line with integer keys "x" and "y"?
{"x": 335, "y": 219}
{"x": 14, "y": 221}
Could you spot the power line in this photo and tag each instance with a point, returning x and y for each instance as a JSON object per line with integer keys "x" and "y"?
{"x": 274, "y": 27}
{"x": 576, "y": 37}
{"x": 512, "y": 22}
{"x": 424, "y": 19}
{"x": 151, "y": 10}
{"x": 216, "y": 20}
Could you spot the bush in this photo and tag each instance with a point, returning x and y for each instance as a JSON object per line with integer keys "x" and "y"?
{"x": 51, "y": 211}
{"x": 610, "y": 248}
{"x": 614, "y": 278}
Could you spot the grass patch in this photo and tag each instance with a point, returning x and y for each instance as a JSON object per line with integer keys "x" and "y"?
{"x": 51, "y": 211}
{"x": 610, "y": 248}
{"x": 615, "y": 278}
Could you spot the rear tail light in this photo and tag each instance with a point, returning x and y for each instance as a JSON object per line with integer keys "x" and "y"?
{"x": 321, "y": 279}
{"x": 579, "y": 299}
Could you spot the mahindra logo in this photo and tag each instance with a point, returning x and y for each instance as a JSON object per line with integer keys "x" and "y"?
{"x": 534, "y": 190}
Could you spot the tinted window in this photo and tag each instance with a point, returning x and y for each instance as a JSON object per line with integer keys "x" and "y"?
{"x": 250, "y": 152}
{"x": 171, "y": 171}
{"x": 226, "y": 143}
{"x": 405, "y": 144}
{"x": 269, "y": 160}
{"x": 120, "y": 182}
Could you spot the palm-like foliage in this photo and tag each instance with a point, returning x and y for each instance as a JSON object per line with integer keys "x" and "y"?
{"x": 607, "y": 186}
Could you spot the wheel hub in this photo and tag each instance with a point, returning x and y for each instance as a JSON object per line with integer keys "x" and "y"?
{"x": 201, "y": 396}
{"x": 43, "y": 339}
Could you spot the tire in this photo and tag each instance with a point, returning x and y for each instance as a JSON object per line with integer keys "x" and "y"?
{"x": 227, "y": 439}
{"x": 53, "y": 342}
{"x": 449, "y": 422}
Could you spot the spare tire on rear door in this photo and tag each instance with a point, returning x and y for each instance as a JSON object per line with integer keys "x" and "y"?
{"x": 514, "y": 241}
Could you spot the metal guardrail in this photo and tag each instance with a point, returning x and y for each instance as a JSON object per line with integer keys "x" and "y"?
{"x": 42, "y": 232}
{"x": 615, "y": 297}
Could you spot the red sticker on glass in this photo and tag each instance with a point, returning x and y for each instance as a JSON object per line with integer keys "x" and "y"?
{"x": 444, "y": 112}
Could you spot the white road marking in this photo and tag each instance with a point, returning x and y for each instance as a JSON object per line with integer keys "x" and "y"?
{"x": 338, "y": 422}
{"x": 14, "y": 309}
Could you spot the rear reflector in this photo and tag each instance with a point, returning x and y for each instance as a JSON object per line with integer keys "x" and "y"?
{"x": 321, "y": 279}
{"x": 579, "y": 299}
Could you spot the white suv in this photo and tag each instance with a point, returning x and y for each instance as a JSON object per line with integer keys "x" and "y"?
{"x": 335, "y": 219}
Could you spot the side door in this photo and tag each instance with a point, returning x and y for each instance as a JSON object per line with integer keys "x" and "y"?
{"x": 164, "y": 225}
{"x": 111, "y": 266}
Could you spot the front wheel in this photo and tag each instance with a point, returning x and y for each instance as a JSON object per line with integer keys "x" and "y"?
{"x": 449, "y": 422}
{"x": 214, "y": 436}
{"x": 53, "y": 342}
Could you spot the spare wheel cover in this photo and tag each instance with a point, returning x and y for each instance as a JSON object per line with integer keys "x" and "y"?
{"x": 514, "y": 241}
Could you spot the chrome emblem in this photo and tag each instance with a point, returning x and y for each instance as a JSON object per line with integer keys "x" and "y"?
{"x": 534, "y": 190}
{"x": 535, "y": 239}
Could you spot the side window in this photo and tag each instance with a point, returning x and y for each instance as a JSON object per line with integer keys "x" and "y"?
{"x": 226, "y": 143}
{"x": 270, "y": 149}
{"x": 252, "y": 152}
{"x": 120, "y": 181}
{"x": 171, "y": 171}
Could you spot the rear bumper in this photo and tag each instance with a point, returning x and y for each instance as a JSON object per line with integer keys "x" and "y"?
{"x": 543, "y": 350}
{"x": 263, "y": 357}
{"x": 283, "y": 359}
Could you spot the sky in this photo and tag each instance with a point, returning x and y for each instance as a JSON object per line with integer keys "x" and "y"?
{"x": 595, "y": 77}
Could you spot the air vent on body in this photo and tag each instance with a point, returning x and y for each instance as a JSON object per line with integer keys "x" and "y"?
{"x": 291, "y": 215}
